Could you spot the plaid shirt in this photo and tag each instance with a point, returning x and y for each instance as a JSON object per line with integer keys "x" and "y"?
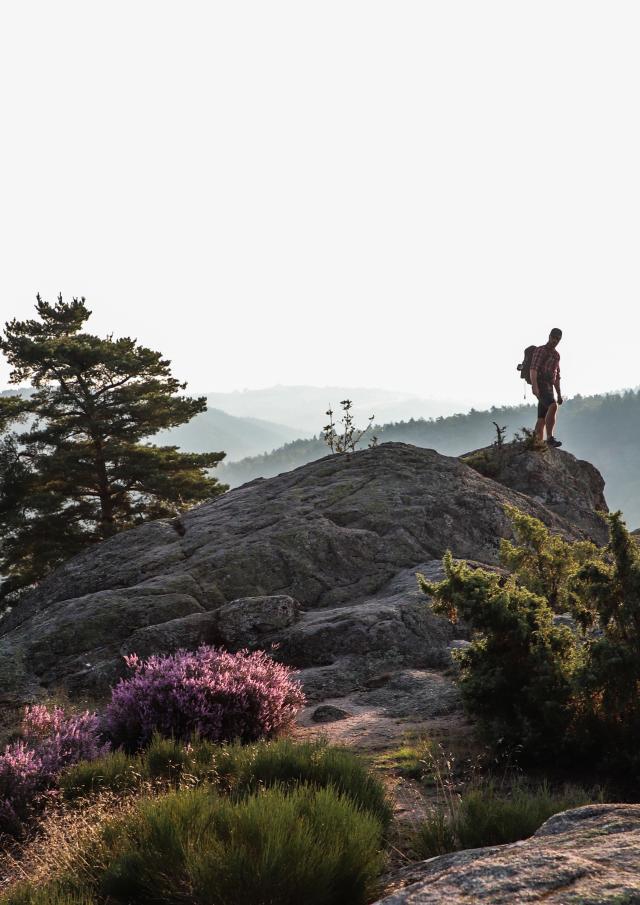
{"x": 546, "y": 361}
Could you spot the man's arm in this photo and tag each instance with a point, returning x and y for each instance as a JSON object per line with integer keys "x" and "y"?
{"x": 558, "y": 391}
{"x": 534, "y": 381}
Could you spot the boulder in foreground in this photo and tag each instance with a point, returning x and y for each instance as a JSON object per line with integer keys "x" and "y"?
{"x": 587, "y": 856}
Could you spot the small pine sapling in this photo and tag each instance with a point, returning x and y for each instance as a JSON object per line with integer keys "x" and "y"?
{"x": 346, "y": 439}
{"x": 500, "y": 432}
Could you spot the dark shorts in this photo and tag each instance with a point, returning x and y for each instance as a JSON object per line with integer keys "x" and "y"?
{"x": 545, "y": 399}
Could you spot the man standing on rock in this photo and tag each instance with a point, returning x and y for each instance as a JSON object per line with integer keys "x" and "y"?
{"x": 545, "y": 375}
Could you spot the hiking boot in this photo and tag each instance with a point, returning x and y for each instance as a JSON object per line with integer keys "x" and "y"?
{"x": 551, "y": 441}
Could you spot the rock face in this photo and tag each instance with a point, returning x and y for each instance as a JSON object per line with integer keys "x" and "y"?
{"x": 570, "y": 487}
{"x": 247, "y": 621}
{"x": 330, "y": 550}
{"x": 587, "y": 856}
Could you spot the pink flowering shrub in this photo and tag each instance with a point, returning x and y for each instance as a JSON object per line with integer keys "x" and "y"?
{"x": 20, "y": 781}
{"x": 50, "y": 742}
{"x": 219, "y": 696}
{"x": 61, "y": 740}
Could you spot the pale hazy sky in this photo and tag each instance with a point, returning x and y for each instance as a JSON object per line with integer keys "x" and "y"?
{"x": 397, "y": 194}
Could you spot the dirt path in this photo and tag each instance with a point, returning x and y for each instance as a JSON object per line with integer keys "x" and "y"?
{"x": 381, "y": 722}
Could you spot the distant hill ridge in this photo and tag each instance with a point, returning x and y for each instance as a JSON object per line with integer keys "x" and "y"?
{"x": 217, "y": 430}
{"x": 305, "y": 406}
{"x": 237, "y": 436}
{"x": 603, "y": 429}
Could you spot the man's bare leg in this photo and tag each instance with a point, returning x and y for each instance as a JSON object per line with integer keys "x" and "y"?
{"x": 539, "y": 429}
{"x": 550, "y": 420}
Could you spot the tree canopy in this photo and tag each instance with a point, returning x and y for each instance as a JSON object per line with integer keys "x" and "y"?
{"x": 75, "y": 467}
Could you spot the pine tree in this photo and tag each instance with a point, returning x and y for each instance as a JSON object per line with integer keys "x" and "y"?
{"x": 75, "y": 469}
{"x": 515, "y": 678}
{"x": 610, "y": 684}
{"x": 546, "y": 563}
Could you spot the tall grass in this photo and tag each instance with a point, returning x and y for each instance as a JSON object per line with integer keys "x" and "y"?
{"x": 287, "y": 763}
{"x": 52, "y": 894}
{"x": 195, "y": 847}
{"x": 237, "y": 769}
{"x": 490, "y": 813}
{"x": 165, "y": 761}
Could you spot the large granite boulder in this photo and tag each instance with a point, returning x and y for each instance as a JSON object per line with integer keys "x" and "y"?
{"x": 331, "y": 535}
{"x": 588, "y": 856}
{"x": 571, "y": 487}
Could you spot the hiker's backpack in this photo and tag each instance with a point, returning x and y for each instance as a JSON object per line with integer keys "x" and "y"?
{"x": 525, "y": 366}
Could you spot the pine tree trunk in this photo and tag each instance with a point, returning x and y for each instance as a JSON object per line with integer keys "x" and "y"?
{"x": 107, "y": 526}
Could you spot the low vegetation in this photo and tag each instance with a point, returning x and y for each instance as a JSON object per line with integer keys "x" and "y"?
{"x": 546, "y": 690}
{"x": 219, "y": 696}
{"x": 234, "y": 769}
{"x": 490, "y": 813}
{"x": 179, "y": 794}
{"x": 50, "y": 741}
{"x": 345, "y": 439}
{"x": 214, "y": 824}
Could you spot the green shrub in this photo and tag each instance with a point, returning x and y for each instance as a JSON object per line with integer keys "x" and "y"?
{"x": 488, "y": 814}
{"x": 193, "y": 847}
{"x": 286, "y": 762}
{"x": 164, "y": 761}
{"x": 494, "y": 816}
{"x": 515, "y": 678}
{"x": 544, "y": 563}
{"x": 607, "y": 699}
{"x": 540, "y": 688}
{"x": 436, "y": 835}
{"x": 241, "y": 769}
{"x": 116, "y": 772}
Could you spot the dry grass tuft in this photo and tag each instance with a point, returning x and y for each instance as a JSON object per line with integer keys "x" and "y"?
{"x": 63, "y": 834}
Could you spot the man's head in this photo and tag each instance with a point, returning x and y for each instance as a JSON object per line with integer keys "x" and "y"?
{"x": 555, "y": 336}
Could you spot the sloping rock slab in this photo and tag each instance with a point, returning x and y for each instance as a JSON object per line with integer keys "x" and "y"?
{"x": 343, "y": 649}
{"x": 329, "y": 534}
{"x": 396, "y": 622}
{"x": 586, "y": 856}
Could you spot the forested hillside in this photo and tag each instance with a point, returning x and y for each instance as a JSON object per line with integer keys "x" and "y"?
{"x": 605, "y": 430}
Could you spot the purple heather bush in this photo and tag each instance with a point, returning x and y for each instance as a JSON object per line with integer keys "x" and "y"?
{"x": 50, "y": 741}
{"x": 214, "y": 694}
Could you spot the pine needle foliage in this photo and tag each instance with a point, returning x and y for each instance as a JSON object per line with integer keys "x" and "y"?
{"x": 609, "y": 685}
{"x": 515, "y": 677}
{"x": 541, "y": 688}
{"x": 545, "y": 563}
{"x": 77, "y": 466}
